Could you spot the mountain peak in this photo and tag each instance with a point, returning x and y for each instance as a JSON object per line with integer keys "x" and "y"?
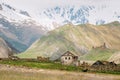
{"x": 8, "y": 6}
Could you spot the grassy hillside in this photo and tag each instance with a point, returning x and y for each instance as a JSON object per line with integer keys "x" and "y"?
{"x": 79, "y": 39}
{"x": 98, "y": 54}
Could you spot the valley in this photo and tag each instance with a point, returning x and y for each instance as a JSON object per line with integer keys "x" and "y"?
{"x": 59, "y": 40}
{"x": 84, "y": 40}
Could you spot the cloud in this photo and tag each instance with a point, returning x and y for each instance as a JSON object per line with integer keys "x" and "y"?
{"x": 38, "y": 5}
{"x": 50, "y": 3}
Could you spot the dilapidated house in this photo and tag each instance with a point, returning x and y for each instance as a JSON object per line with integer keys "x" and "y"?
{"x": 104, "y": 66}
{"x": 39, "y": 58}
{"x": 103, "y": 63}
{"x": 69, "y": 58}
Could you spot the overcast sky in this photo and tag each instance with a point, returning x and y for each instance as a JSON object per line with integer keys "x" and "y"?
{"x": 40, "y": 4}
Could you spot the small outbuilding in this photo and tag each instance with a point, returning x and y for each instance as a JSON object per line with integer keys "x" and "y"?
{"x": 103, "y": 63}
{"x": 69, "y": 58}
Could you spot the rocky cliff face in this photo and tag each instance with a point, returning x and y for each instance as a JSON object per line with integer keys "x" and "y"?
{"x": 5, "y": 50}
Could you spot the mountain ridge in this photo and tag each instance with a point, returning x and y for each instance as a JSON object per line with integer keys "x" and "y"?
{"x": 18, "y": 29}
{"x": 80, "y": 39}
{"x": 22, "y": 27}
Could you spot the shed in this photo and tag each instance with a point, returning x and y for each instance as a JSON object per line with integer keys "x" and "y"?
{"x": 103, "y": 63}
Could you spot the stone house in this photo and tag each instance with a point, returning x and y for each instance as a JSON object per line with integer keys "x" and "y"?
{"x": 69, "y": 58}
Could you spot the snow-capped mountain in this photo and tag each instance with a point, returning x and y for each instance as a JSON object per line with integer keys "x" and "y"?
{"x": 17, "y": 28}
{"x": 69, "y": 14}
{"x": 51, "y": 17}
{"x": 10, "y": 13}
{"x": 24, "y": 24}
{"x": 81, "y": 15}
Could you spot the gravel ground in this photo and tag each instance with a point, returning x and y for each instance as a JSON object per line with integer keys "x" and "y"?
{"x": 62, "y": 75}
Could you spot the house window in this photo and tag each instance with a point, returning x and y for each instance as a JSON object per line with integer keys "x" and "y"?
{"x": 69, "y": 58}
{"x": 75, "y": 57}
{"x": 65, "y": 58}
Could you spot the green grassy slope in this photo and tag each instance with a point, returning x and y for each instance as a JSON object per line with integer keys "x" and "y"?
{"x": 78, "y": 39}
{"x": 98, "y": 54}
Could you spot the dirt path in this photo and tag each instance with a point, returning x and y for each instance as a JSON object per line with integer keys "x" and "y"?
{"x": 62, "y": 75}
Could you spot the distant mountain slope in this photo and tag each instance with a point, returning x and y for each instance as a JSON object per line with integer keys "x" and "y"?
{"x": 19, "y": 35}
{"x": 79, "y": 39}
{"x": 17, "y": 28}
{"x": 97, "y": 54}
{"x": 115, "y": 57}
{"x": 21, "y": 26}
{"x": 5, "y": 50}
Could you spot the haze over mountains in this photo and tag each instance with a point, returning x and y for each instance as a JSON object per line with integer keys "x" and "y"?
{"x": 22, "y": 21}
